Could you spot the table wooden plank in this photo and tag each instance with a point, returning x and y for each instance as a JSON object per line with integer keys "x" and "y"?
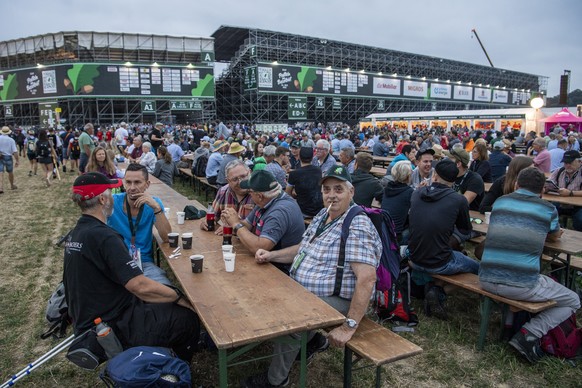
{"x": 378, "y": 171}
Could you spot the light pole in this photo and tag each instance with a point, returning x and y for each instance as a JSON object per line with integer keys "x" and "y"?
{"x": 536, "y": 103}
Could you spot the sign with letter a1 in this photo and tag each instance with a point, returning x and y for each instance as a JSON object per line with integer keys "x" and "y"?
{"x": 148, "y": 107}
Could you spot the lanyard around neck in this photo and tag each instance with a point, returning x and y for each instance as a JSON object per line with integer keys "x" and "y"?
{"x": 133, "y": 228}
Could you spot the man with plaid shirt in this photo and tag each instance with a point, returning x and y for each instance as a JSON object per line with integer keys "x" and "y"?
{"x": 314, "y": 265}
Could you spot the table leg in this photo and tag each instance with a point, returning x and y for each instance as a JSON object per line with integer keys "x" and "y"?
{"x": 303, "y": 370}
{"x": 486, "y": 305}
{"x": 222, "y": 368}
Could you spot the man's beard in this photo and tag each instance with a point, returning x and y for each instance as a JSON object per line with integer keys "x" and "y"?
{"x": 107, "y": 209}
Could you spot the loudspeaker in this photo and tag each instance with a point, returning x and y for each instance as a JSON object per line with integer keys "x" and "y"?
{"x": 564, "y": 81}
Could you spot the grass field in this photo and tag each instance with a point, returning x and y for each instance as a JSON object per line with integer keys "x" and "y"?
{"x": 31, "y": 266}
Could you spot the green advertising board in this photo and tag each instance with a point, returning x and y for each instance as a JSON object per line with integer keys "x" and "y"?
{"x": 337, "y": 103}
{"x": 297, "y": 108}
{"x": 250, "y": 80}
{"x": 319, "y": 102}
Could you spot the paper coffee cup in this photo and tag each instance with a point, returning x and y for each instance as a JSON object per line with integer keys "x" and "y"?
{"x": 181, "y": 216}
{"x": 187, "y": 240}
{"x": 167, "y": 212}
{"x": 173, "y": 239}
{"x": 197, "y": 262}
{"x": 487, "y": 217}
{"x": 229, "y": 259}
{"x": 227, "y": 249}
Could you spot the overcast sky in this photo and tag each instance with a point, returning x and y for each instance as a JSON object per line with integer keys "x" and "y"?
{"x": 534, "y": 36}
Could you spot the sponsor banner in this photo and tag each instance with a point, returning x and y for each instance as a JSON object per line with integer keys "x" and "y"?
{"x": 110, "y": 80}
{"x": 501, "y": 96}
{"x": 462, "y": 92}
{"x": 297, "y": 108}
{"x": 482, "y": 94}
{"x": 440, "y": 91}
{"x": 269, "y": 128}
{"x": 415, "y": 89}
{"x": 386, "y": 86}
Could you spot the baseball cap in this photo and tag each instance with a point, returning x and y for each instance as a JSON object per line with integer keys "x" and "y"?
{"x": 498, "y": 145}
{"x": 447, "y": 169}
{"x": 296, "y": 144}
{"x": 423, "y": 152}
{"x": 337, "y": 172}
{"x": 260, "y": 181}
{"x": 91, "y": 184}
{"x": 570, "y": 156}
{"x": 460, "y": 154}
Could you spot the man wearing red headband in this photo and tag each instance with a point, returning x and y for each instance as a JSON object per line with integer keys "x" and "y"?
{"x": 102, "y": 281}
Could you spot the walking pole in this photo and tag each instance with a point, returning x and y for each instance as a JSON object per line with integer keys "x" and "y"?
{"x": 41, "y": 360}
{"x": 54, "y": 156}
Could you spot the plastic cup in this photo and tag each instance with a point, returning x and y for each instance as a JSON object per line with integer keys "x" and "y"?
{"x": 167, "y": 212}
{"x": 196, "y": 261}
{"x": 187, "y": 240}
{"x": 227, "y": 249}
{"x": 229, "y": 259}
{"x": 487, "y": 217}
{"x": 173, "y": 239}
{"x": 181, "y": 216}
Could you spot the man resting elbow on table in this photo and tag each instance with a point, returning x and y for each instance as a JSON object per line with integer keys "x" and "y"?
{"x": 314, "y": 264}
{"x": 276, "y": 221}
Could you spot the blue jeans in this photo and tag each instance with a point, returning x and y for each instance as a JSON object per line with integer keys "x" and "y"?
{"x": 152, "y": 271}
{"x": 6, "y": 162}
{"x": 545, "y": 289}
{"x": 458, "y": 263}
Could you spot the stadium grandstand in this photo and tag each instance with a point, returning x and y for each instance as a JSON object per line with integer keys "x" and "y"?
{"x": 280, "y": 77}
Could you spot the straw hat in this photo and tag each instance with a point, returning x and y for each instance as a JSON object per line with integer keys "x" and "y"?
{"x": 235, "y": 148}
{"x": 438, "y": 151}
{"x": 5, "y": 131}
{"x": 218, "y": 144}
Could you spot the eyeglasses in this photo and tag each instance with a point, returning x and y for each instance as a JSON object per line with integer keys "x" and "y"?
{"x": 478, "y": 221}
{"x": 238, "y": 179}
{"x": 320, "y": 149}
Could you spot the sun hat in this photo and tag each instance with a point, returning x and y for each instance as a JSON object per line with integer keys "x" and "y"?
{"x": 235, "y": 148}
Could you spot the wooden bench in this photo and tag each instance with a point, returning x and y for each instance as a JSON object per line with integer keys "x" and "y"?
{"x": 470, "y": 282}
{"x": 186, "y": 173}
{"x": 377, "y": 345}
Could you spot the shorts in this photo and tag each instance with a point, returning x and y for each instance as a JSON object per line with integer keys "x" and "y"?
{"x": 31, "y": 156}
{"x": 45, "y": 159}
{"x": 6, "y": 163}
{"x": 75, "y": 156}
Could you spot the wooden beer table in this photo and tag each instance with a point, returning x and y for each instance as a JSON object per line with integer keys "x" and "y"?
{"x": 240, "y": 309}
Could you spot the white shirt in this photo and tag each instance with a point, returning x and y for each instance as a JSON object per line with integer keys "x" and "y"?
{"x": 7, "y": 145}
{"x": 121, "y": 136}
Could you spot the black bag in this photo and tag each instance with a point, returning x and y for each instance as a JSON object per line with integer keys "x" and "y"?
{"x": 192, "y": 213}
{"x": 85, "y": 351}
{"x": 199, "y": 169}
{"x": 57, "y": 314}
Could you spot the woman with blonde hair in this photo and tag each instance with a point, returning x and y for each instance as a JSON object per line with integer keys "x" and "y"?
{"x": 100, "y": 161}
{"x": 396, "y": 200}
{"x": 480, "y": 163}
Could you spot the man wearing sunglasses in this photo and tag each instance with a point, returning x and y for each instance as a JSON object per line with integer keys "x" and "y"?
{"x": 232, "y": 195}
{"x": 435, "y": 211}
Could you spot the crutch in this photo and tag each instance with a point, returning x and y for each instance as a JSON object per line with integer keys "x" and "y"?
{"x": 41, "y": 360}
{"x": 55, "y": 157}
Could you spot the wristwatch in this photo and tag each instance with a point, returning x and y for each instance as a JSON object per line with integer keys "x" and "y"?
{"x": 352, "y": 324}
{"x": 238, "y": 226}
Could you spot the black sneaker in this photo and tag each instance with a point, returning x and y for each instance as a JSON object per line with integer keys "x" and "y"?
{"x": 30, "y": 173}
{"x": 434, "y": 302}
{"x": 261, "y": 381}
{"x": 64, "y": 168}
{"x": 528, "y": 345}
{"x": 317, "y": 344}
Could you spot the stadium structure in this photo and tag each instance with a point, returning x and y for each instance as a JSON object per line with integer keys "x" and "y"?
{"x": 106, "y": 77}
{"x": 280, "y": 77}
{"x": 268, "y": 77}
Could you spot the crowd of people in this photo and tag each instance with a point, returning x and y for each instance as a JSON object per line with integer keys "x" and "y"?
{"x": 268, "y": 183}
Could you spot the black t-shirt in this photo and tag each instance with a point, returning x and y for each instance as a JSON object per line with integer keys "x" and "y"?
{"x": 306, "y": 182}
{"x": 156, "y": 143}
{"x": 471, "y": 181}
{"x": 197, "y": 136}
{"x": 97, "y": 267}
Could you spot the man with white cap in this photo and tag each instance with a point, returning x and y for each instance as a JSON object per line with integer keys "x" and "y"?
{"x": 102, "y": 281}
{"x": 8, "y": 157}
{"x": 214, "y": 160}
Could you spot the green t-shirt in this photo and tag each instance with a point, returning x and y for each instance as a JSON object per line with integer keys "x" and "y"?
{"x": 84, "y": 140}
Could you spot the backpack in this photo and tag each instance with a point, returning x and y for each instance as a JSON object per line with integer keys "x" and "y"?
{"x": 57, "y": 314}
{"x": 43, "y": 148}
{"x": 199, "y": 169}
{"x": 30, "y": 146}
{"x": 75, "y": 148}
{"x": 392, "y": 298}
{"x": 563, "y": 340}
{"x": 146, "y": 366}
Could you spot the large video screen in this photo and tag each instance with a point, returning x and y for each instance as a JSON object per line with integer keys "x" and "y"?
{"x": 106, "y": 80}
{"x": 297, "y": 79}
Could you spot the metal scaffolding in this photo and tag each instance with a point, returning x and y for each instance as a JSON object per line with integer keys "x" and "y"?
{"x": 103, "y": 47}
{"x": 244, "y": 47}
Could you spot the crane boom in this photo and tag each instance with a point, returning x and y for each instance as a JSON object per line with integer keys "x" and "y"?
{"x": 483, "y": 47}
